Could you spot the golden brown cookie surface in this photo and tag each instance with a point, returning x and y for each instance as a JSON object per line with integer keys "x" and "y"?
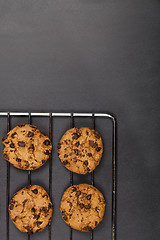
{"x": 26, "y": 147}
{"x": 31, "y": 209}
{"x": 80, "y": 149}
{"x": 82, "y": 207}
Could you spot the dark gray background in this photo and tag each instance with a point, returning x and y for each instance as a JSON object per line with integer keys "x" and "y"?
{"x": 92, "y": 55}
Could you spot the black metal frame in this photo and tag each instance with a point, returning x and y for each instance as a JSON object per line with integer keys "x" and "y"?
{"x": 71, "y": 115}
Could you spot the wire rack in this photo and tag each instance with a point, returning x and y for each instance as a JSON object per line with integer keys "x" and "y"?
{"x": 50, "y": 116}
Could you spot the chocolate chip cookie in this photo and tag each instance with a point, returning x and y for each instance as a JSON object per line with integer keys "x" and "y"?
{"x": 31, "y": 209}
{"x": 82, "y": 207}
{"x": 26, "y": 147}
{"x": 80, "y": 149}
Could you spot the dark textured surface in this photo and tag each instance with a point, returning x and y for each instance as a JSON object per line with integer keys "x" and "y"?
{"x": 89, "y": 55}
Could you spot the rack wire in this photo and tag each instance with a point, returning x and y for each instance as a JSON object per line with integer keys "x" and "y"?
{"x": 72, "y": 116}
{"x": 29, "y": 171}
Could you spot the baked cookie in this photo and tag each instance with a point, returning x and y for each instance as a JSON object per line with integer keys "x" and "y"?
{"x": 80, "y": 149}
{"x": 31, "y": 209}
{"x": 26, "y": 147}
{"x": 82, "y": 207}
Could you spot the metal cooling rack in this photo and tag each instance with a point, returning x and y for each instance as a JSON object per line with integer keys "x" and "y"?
{"x": 52, "y": 115}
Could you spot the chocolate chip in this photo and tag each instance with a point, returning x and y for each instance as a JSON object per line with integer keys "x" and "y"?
{"x": 70, "y": 204}
{"x": 43, "y": 161}
{"x": 6, "y": 156}
{"x": 46, "y": 152}
{"x": 65, "y": 155}
{"x": 21, "y": 125}
{"x": 11, "y": 206}
{"x": 96, "y": 223}
{"x": 78, "y": 130}
{"x": 35, "y": 191}
{"x": 75, "y": 136}
{"x": 38, "y": 230}
{"x": 7, "y": 142}
{"x": 99, "y": 199}
{"x": 76, "y": 151}
{"x": 84, "y": 195}
{"x": 29, "y": 230}
{"x": 78, "y": 193}
{"x": 87, "y": 132}
{"x": 96, "y": 208}
{"x": 33, "y": 167}
{"x": 36, "y": 216}
{"x": 88, "y": 169}
{"x": 13, "y": 134}
{"x": 77, "y": 144}
{"x": 44, "y": 209}
{"x": 98, "y": 149}
{"x": 49, "y": 205}
{"x": 89, "y": 154}
{"x": 87, "y": 206}
{"x": 89, "y": 197}
{"x": 30, "y": 134}
{"x": 14, "y": 220}
{"x": 74, "y": 189}
{"x": 97, "y": 135}
{"x": 33, "y": 210}
{"x": 27, "y": 164}
{"x": 21, "y": 143}
{"x": 5, "y": 137}
{"x": 59, "y": 146}
{"x": 92, "y": 143}
{"x": 12, "y": 145}
{"x": 31, "y": 147}
{"x": 64, "y": 216}
{"x": 81, "y": 205}
{"x": 74, "y": 159}
{"x": 24, "y": 202}
{"x": 87, "y": 229}
{"x": 46, "y": 142}
{"x": 85, "y": 163}
{"x": 65, "y": 162}
{"x": 38, "y": 223}
{"x": 45, "y": 196}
